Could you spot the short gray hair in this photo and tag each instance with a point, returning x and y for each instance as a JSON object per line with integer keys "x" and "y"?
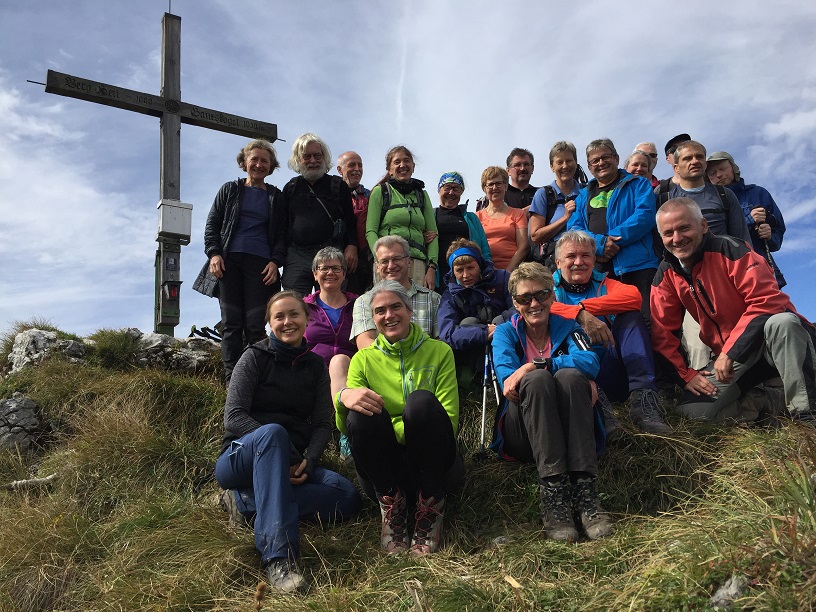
{"x": 299, "y": 146}
{"x": 390, "y": 286}
{"x": 649, "y": 159}
{"x": 390, "y": 241}
{"x": 327, "y": 254}
{"x": 688, "y": 144}
{"x": 679, "y": 204}
{"x": 578, "y": 237}
{"x": 601, "y": 143}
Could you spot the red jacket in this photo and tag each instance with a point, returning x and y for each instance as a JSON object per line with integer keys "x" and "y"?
{"x": 731, "y": 292}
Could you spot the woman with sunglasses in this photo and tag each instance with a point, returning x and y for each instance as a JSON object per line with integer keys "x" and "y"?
{"x": 544, "y": 365}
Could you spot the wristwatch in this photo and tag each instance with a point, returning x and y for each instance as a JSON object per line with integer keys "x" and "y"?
{"x": 540, "y": 363}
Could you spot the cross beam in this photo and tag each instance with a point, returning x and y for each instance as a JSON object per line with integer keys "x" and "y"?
{"x": 174, "y": 216}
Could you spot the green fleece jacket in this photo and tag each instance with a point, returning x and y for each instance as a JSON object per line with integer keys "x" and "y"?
{"x": 396, "y": 370}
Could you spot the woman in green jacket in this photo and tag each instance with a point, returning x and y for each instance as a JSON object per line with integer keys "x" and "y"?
{"x": 400, "y": 205}
{"x": 400, "y": 411}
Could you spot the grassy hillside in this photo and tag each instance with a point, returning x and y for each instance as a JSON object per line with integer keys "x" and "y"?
{"x": 132, "y": 523}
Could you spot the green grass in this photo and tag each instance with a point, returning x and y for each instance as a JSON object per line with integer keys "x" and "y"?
{"x": 132, "y": 522}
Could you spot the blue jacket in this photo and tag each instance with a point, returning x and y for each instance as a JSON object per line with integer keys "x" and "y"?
{"x": 459, "y": 302}
{"x": 630, "y": 215}
{"x": 509, "y": 345}
{"x": 754, "y": 196}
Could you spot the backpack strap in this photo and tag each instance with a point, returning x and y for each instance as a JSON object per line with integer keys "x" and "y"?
{"x": 663, "y": 192}
{"x": 552, "y": 202}
{"x": 723, "y": 197}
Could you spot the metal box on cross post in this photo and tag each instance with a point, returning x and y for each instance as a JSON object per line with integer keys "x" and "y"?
{"x": 175, "y": 221}
{"x": 175, "y": 224}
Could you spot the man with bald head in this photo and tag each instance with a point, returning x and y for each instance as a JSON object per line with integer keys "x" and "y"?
{"x": 750, "y": 325}
{"x": 350, "y": 169}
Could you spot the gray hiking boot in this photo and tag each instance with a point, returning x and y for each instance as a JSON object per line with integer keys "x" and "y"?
{"x": 428, "y": 529}
{"x": 556, "y": 510}
{"x": 644, "y": 409}
{"x": 237, "y": 521}
{"x": 394, "y": 533}
{"x": 587, "y": 508}
{"x": 283, "y": 575}
{"x": 613, "y": 428}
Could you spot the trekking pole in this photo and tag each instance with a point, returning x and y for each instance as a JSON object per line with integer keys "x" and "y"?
{"x": 493, "y": 377}
{"x": 481, "y": 454}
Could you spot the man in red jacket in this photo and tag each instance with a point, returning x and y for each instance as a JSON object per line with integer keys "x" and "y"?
{"x": 750, "y": 325}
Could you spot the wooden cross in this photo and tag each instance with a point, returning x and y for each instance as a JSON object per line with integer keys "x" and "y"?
{"x": 172, "y": 112}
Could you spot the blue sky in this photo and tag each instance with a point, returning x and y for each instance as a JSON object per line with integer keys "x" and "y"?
{"x": 460, "y": 83}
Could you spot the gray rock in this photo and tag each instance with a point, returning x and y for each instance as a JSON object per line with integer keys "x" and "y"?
{"x": 154, "y": 341}
{"x": 72, "y": 348}
{"x": 19, "y": 423}
{"x": 201, "y": 344}
{"x": 30, "y": 347}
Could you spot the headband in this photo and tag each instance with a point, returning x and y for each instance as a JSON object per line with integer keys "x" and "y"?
{"x": 470, "y": 252}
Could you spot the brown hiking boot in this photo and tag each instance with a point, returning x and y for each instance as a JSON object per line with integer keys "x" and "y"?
{"x": 428, "y": 529}
{"x": 394, "y": 534}
{"x": 556, "y": 510}
{"x": 587, "y": 508}
{"x": 237, "y": 521}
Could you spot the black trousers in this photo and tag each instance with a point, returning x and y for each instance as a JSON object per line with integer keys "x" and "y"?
{"x": 429, "y": 460}
{"x": 553, "y": 425}
{"x": 242, "y": 297}
{"x": 297, "y": 273}
{"x": 642, "y": 279}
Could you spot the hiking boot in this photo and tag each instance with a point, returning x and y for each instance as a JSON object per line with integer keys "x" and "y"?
{"x": 587, "y": 507}
{"x": 394, "y": 534}
{"x": 226, "y": 499}
{"x": 644, "y": 408}
{"x": 283, "y": 575}
{"x": 428, "y": 529}
{"x": 556, "y": 510}
{"x": 613, "y": 428}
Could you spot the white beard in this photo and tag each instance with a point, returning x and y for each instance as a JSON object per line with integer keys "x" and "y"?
{"x": 313, "y": 175}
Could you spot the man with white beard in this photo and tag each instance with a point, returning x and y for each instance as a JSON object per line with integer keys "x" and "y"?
{"x": 319, "y": 211}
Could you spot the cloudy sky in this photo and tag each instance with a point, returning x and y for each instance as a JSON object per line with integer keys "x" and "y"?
{"x": 460, "y": 83}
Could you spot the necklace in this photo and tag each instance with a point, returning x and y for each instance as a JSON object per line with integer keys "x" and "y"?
{"x": 536, "y": 345}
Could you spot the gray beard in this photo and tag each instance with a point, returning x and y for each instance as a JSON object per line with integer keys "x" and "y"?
{"x": 313, "y": 175}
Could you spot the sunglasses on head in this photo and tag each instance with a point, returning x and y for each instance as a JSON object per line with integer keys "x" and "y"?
{"x": 525, "y": 299}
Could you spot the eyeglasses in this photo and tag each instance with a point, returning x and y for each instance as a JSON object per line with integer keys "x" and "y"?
{"x": 600, "y": 160}
{"x": 325, "y": 269}
{"x": 452, "y": 188}
{"x": 314, "y": 156}
{"x": 391, "y": 260}
{"x": 494, "y": 184}
{"x": 652, "y": 155}
{"x": 519, "y": 165}
{"x": 525, "y": 299}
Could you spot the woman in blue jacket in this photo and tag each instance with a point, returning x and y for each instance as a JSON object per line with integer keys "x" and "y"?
{"x": 544, "y": 364}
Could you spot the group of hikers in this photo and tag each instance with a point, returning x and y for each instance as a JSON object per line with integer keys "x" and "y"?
{"x": 571, "y": 296}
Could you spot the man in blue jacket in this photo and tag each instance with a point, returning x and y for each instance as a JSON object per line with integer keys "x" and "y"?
{"x": 617, "y": 209}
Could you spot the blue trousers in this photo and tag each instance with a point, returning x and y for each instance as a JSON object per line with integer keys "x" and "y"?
{"x": 257, "y": 467}
{"x": 629, "y": 365}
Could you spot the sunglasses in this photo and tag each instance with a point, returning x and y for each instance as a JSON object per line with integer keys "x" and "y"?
{"x": 525, "y": 299}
